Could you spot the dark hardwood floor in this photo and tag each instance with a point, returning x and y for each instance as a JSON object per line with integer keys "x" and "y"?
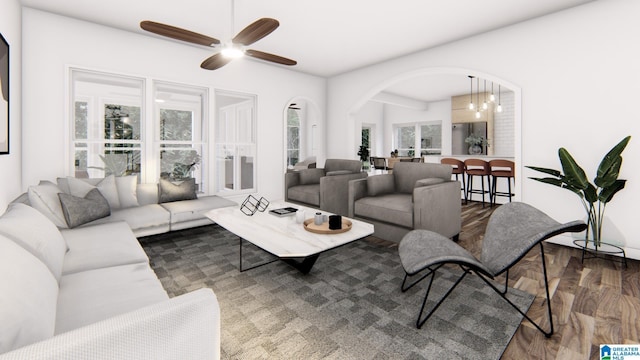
{"x": 595, "y": 302}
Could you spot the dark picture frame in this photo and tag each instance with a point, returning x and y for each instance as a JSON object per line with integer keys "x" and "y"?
{"x": 4, "y": 96}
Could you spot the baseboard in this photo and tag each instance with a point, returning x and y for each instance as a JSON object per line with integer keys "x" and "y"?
{"x": 567, "y": 240}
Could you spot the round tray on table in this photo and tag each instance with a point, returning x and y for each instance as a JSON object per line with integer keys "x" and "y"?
{"x": 309, "y": 225}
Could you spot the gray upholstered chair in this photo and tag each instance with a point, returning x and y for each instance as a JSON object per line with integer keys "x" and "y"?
{"x": 414, "y": 196}
{"x": 513, "y": 230}
{"x": 324, "y": 188}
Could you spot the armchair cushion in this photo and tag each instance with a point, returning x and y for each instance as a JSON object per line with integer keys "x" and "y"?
{"x": 310, "y": 176}
{"x": 429, "y": 181}
{"x": 406, "y": 174}
{"x": 380, "y": 184}
{"x": 391, "y": 208}
{"x": 353, "y": 166}
{"x": 338, "y": 172}
{"x": 308, "y": 194}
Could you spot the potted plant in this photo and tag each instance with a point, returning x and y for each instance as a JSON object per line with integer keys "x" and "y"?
{"x": 476, "y": 143}
{"x": 594, "y": 197}
{"x": 364, "y": 156}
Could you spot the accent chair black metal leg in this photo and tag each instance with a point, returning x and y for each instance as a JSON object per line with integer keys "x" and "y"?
{"x": 406, "y": 276}
{"x": 420, "y": 321}
{"x": 548, "y": 299}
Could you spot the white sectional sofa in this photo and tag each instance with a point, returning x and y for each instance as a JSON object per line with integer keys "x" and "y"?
{"x": 88, "y": 292}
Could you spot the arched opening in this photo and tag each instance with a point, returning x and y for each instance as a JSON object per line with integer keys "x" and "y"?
{"x": 393, "y": 106}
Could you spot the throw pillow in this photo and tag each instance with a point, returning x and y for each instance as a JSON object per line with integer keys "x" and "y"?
{"x": 127, "y": 190}
{"x": 380, "y": 184}
{"x": 311, "y": 176}
{"x": 44, "y": 198}
{"x": 32, "y": 230}
{"x": 168, "y": 191}
{"x": 81, "y": 187}
{"x": 78, "y": 211}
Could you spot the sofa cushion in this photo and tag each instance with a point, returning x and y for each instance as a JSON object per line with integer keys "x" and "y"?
{"x": 139, "y": 217}
{"x": 188, "y": 210}
{"x": 90, "y": 296}
{"x": 169, "y": 191}
{"x": 380, "y": 184}
{"x": 147, "y": 193}
{"x": 100, "y": 246}
{"x": 81, "y": 210}
{"x": 44, "y": 198}
{"x": 310, "y": 176}
{"x": 28, "y": 295}
{"x": 308, "y": 194}
{"x": 127, "y": 192}
{"x": 394, "y": 208}
{"x": 80, "y": 188}
{"x": 32, "y": 230}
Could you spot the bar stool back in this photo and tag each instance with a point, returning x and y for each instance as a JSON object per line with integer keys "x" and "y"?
{"x": 458, "y": 169}
{"x": 478, "y": 167}
{"x": 502, "y": 169}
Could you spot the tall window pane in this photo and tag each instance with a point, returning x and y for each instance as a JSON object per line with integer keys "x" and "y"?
{"x": 293, "y": 137}
{"x": 180, "y": 135}
{"x": 106, "y": 124}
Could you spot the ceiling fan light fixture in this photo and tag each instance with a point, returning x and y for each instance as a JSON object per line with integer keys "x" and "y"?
{"x": 232, "y": 52}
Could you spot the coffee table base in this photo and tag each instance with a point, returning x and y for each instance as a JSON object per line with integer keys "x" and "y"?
{"x": 304, "y": 265}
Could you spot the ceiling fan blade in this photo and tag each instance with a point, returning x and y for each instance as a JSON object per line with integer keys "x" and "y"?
{"x": 178, "y": 33}
{"x": 215, "y": 61}
{"x": 256, "y": 31}
{"x": 270, "y": 57}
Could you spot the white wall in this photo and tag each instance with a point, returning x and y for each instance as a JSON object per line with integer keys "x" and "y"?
{"x": 10, "y": 165}
{"x": 579, "y": 73}
{"x": 52, "y": 42}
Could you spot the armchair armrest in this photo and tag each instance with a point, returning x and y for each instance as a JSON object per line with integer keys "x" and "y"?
{"x": 334, "y": 192}
{"x": 183, "y": 327}
{"x": 357, "y": 190}
{"x": 290, "y": 179}
{"x": 437, "y": 208}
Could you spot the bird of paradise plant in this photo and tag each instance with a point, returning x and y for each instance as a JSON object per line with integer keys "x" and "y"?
{"x": 596, "y": 196}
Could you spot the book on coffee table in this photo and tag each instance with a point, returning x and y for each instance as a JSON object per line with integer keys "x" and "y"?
{"x": 286, "y": 211}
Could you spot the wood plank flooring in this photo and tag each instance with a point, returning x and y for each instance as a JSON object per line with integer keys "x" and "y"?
{"x": 595, "y": 302}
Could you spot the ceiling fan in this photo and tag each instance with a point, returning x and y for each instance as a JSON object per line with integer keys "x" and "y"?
{"x": 229, "y": 50}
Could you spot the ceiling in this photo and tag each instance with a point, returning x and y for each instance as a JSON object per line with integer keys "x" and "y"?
{"x": 326, "y": 37}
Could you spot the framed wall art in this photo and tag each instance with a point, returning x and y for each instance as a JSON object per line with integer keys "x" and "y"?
{"x": 4, "y": 96}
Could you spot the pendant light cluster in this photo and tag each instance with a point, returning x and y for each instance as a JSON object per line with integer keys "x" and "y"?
{"x": 485, "y": 102}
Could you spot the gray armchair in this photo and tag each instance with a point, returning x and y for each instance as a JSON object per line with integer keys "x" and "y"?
{"x": 414, "y": 196}
{"x": 324, "y": 188}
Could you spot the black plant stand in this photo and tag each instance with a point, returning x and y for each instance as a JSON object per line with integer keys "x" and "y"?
{"x": 591, "y": 251}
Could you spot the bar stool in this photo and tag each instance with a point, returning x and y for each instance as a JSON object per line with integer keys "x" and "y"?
{"x": 478, "y": 167}
{"x": 501, "y": 169}
{"x": 458, "y": 169}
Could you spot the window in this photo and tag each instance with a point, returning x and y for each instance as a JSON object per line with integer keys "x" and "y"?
{"x": 107, "y": 124}
{"x": 293, "y": 136}
{"x": 367, "y": 138}
{"x": 112, "y": 133}
{"x": 181, "y": 137}
{"x": 429, "y": 141}
{"x": 235, "y": 149}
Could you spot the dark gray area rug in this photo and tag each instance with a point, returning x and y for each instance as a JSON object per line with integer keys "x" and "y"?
{"x": 348, "y": 307}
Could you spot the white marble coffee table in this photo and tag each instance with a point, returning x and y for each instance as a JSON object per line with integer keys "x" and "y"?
{"x": 284, "y": 237}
